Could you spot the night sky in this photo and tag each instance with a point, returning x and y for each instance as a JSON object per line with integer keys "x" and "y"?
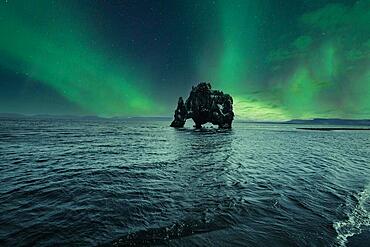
{"x": 279, "y": 59}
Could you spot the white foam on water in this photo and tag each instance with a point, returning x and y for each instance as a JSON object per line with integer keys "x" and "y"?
{"x": 357, "y": 219}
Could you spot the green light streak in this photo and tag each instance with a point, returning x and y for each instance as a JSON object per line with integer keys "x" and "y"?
{"x": 300, "y": 95}
{"x": 319, "y": 74}
{"x": 239, "y": 34}
{"x": 320, "y": 70}
{"x": 361, "y": 90}
{"x": 57, "y": 50}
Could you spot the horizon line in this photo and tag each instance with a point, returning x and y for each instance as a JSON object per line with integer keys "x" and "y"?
{"x": 14, "y": 114}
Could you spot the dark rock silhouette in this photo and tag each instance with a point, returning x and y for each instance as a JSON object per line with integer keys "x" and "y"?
{"x": 205, "y": 105}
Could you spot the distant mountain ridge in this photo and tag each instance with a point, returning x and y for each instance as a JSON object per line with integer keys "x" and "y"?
{"x": 330, "y": 121}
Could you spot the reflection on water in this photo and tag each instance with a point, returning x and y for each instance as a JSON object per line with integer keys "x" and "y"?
{"x": 85, "y": 182}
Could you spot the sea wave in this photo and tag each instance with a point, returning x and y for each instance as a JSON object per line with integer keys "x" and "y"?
{"x": 357, "y": 220}
{"x": 86, "y": 183}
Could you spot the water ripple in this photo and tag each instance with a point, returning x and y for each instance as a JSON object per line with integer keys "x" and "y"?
{"x": 110, "y": 182}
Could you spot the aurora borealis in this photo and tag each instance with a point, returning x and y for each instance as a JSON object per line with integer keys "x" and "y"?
{"x": 278, "y": 59}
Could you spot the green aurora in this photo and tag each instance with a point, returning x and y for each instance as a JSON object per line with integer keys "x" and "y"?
{"x": 315, "y": 65}
{"x": 322, "y": 73}
{"x": 68, "y": 63}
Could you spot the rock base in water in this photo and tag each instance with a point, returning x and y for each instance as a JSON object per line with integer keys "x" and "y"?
{"x": 205, "y": 105}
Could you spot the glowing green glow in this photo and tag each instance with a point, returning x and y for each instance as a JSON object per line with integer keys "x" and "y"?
{"x": 239, "y": 34}
{"x": 238, "y": 22}
{"x": 245, "y": 107}
{"x": 300, "y": 96}
{"x": 319, "y": 74}
{"x": 63, "y": 56}
{"x": 361, "y": 89}
{"x": 302, "y": 42}
{"x": 277, "y": 64}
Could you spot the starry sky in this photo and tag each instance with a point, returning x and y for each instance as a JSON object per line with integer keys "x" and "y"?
{"x": 279, "y": 59}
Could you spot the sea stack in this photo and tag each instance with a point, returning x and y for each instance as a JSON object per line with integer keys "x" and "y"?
{"x": 205, "y": 105}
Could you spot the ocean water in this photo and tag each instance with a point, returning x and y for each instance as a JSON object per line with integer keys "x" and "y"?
{"x": 82, "y": 182}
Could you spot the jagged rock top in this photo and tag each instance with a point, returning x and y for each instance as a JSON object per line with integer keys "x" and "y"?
{"x": 205, "y": 105}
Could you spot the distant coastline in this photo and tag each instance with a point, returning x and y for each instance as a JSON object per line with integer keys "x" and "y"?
{"x": 331, "y": 121}
{"x": 330, "y": 129}
{"x": 318, "y": 121}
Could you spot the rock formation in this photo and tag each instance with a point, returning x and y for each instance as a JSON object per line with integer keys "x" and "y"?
{"x": 205, "y": 105}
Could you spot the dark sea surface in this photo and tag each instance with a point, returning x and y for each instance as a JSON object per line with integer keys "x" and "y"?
{"x": 139, "y": 182}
